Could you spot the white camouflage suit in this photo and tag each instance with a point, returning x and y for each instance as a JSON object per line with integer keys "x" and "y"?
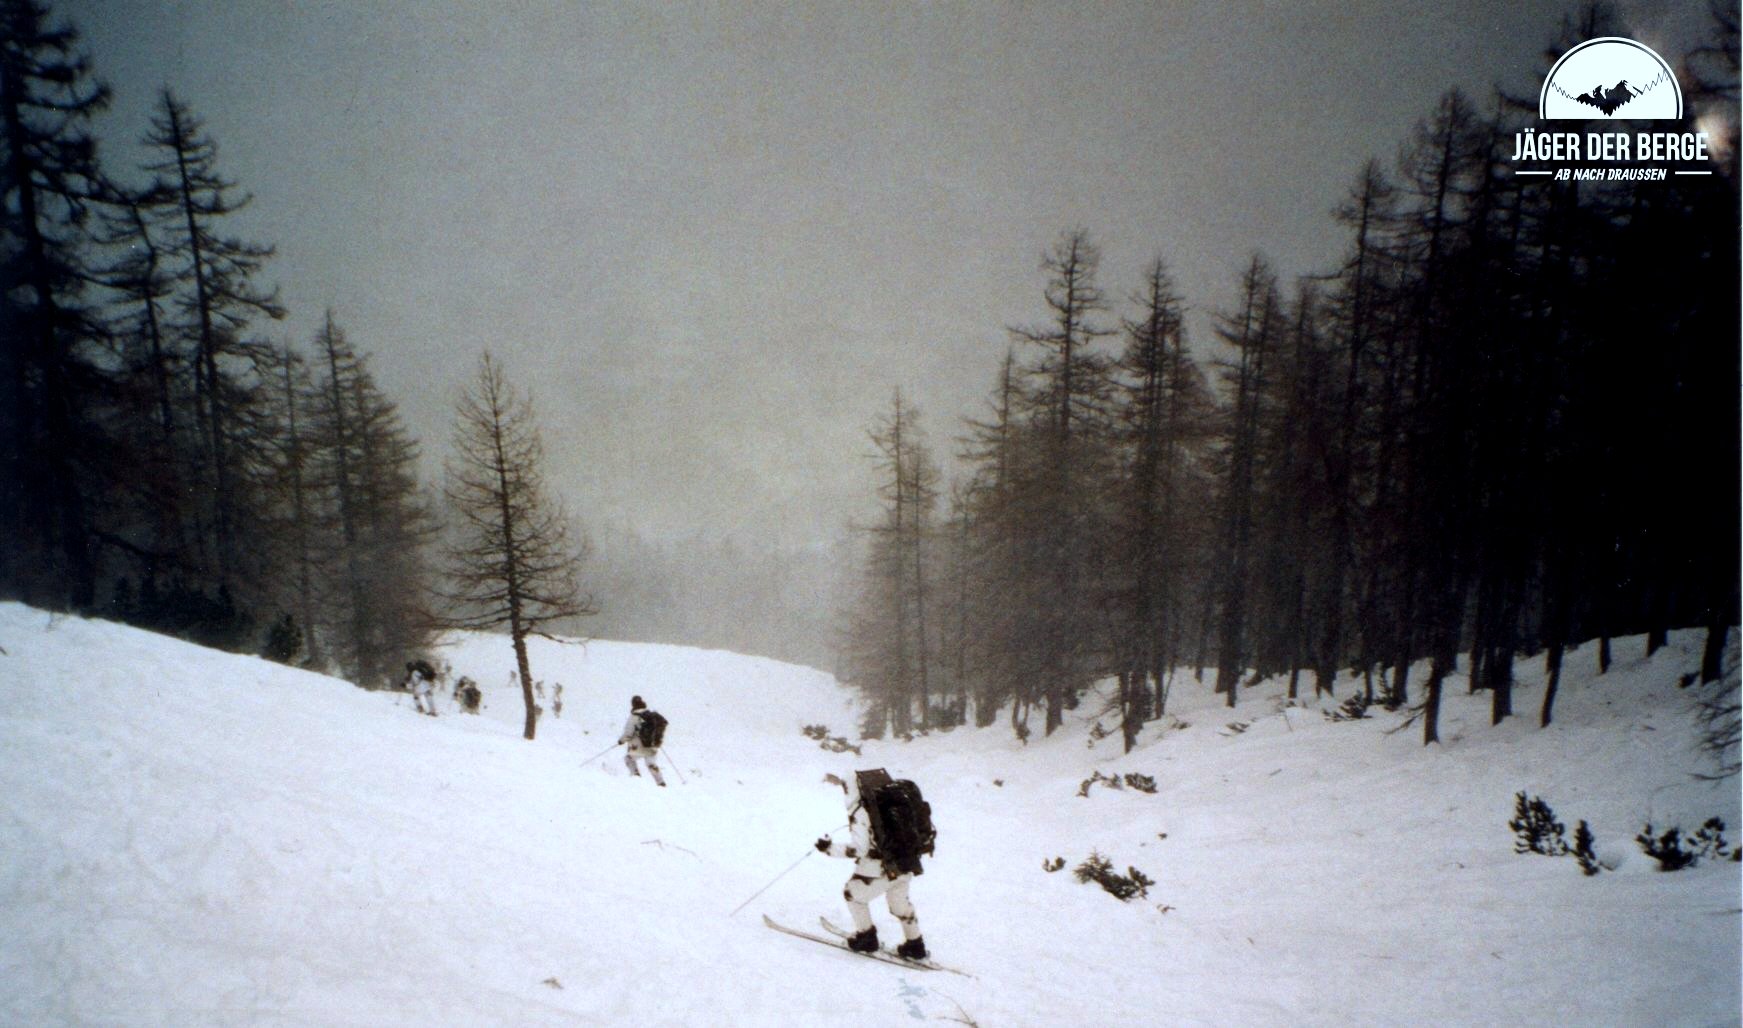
{"x": 870, "y": 880}
{"x": 421, "y": 689}
{"x": 632, "y": 735}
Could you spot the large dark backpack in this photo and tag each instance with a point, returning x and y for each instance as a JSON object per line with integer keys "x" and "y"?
{"x": 652, "y": 729}
{"x": 901, "y": 820}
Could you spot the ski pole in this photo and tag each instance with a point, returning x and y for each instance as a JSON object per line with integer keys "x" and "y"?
{"x": 771, "y": 884}
{"x": 778, "y": 877}
{"x": 601, "y": 753}
{"x": 675, "y": 766}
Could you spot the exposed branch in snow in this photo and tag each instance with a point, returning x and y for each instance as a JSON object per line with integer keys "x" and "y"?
{"x": 964, "y": 1018}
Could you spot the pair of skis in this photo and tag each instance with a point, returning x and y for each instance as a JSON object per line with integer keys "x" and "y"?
{"x": 837, "y": 938}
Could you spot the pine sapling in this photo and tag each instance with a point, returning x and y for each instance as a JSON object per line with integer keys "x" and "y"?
{"x": 1355, "y": 708}
{"x": 1112, "y": 782}
{"x": 1535, "y": 825}
{"x": 1582, "y": 850}
{"x": 1711, "y": 839}
{"x": 1668, "y": 847}
{"x": 1099, "y": 869}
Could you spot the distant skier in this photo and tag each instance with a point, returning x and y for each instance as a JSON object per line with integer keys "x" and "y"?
{"x": 467, "y": 695}
{"x": 644, "y": 731}
{"x": 420, "y": 679}
{"x": 889, "y": 827}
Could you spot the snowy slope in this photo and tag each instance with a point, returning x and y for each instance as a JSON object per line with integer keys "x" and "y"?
{"x": 193, "y": 837}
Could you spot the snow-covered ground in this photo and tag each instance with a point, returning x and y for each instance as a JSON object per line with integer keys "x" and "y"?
{"x": 191, "y": 837}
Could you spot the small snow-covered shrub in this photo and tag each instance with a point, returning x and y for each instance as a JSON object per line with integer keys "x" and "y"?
{"x": 1674, "y": 851}
{"x": 1353, "y": 709}
{"x": 1056, "y": 864}
{"x": 1142, "y": 783}
{"x": 1535, "y": 825}
{"x": 832, "y": 743}
{"x": 1582, "y": 850}
{"x": 284, "y": 641}
{"x": 1112, "y": 782}
{"x": 1100, "y": 870}
{"x": 1389, "y": 695}
{"x": 1711, "y": 839}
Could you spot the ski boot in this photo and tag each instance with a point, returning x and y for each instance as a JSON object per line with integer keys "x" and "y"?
{"x": 864, "y": 942}
{"x": 913, "y": 949}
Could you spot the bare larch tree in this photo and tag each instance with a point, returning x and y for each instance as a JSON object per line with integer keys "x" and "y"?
{"x": 511, "y": 561}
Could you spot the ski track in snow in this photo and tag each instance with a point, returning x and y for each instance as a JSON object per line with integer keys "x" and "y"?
{"x": 193, "y": 837}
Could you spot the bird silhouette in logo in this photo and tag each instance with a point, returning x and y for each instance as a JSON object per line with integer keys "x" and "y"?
{"x": 1607, "y": 100}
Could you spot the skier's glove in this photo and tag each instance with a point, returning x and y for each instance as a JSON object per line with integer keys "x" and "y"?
{"x": 823, "y": 844}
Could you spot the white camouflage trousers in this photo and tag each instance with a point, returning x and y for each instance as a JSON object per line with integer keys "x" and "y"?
{"x": 647, "y": 755}
{"x": 861, "y": 890}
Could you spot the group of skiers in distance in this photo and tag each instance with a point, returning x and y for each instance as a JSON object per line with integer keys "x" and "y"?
{"x": 889, "y": 823}
{"x": 889, "y": 829}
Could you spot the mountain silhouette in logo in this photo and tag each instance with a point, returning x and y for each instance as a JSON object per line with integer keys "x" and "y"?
{"x": 1607, "y": 100}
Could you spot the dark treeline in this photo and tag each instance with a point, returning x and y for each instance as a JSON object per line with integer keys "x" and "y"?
{"x": 162, "y": 461}
{"x": 1503, "y": 423}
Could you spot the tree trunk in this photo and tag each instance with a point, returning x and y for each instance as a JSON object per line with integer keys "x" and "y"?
{"x": 1713, "y": 654}
{"x": 1128, "y": 711}
{"x": 1431, "y": 706}
{"x": 1553, "y": 662}
{"x": 1500, "y": 686}
{"x": 526, "y": 680}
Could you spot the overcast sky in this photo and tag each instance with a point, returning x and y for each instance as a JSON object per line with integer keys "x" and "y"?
{"x": 712, "y": 239}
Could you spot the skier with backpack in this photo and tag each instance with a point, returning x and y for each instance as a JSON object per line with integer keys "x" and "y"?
{"x": 644, "y": 731}
{"x": 420, "y": 681}
{"x": 889, "y": 827}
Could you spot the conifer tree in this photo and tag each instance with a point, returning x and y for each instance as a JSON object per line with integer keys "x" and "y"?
{"x": 292, "y": 483}
{"x": 217, "y": 300}
{"x": 1066, "y": 396}
{"x": 1253, "y": 330}
{"x": 1357, "y": 309}
{"x": 372, "y": 520}
{"x": 998, "y": 558}
{"x": 150, "y": 397}
{"x": 1160, "y": 395}
{"x": 54, "y": 454}
{"x": 890, "y": 638}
